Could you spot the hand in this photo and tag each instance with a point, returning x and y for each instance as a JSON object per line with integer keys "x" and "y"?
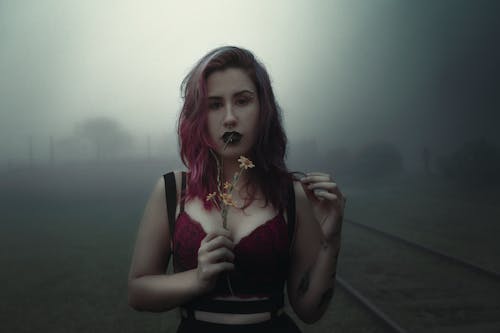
{"x": 327, "y": 201}
{"x": 214, "y": 256}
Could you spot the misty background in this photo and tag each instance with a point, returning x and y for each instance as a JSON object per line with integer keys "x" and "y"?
{"x": 346, "y": 73}
{"x": 399, "y": 100}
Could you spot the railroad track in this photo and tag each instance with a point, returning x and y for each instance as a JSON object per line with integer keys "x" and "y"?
{"x": 385, "y": 273}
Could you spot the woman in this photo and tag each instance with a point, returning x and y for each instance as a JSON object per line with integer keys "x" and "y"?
{"x": 278, "y": 229}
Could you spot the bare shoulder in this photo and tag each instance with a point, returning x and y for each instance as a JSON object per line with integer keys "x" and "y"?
{"x": 151, "y": 251}
{"x": 159, "y": 188}
{"x": 152, "y": 248}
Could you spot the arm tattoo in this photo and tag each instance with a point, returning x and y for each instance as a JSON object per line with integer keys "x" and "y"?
{"x": 326, "y": 246}
{"x": 326, "y": 297}
{"x": 304, "y": 283}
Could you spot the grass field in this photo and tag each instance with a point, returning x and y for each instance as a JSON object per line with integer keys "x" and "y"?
{"x": 67, "y": 237}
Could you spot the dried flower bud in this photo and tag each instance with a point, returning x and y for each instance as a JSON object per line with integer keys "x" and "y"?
{"x": 245, "y": 163}
{"x": 227, "y": 199}
{"x": 211, "y": 196}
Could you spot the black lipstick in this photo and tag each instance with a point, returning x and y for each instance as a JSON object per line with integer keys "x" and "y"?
{"x": 231, "y": 137}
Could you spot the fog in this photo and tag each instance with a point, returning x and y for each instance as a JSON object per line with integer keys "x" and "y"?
{"x": 346, "y": 73}
{"x": 398, "y": 100}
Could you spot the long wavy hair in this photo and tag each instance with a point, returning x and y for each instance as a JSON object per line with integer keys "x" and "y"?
{"x": 268, "y": 153}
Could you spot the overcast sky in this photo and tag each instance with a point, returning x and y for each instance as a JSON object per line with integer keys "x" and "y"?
{"x": 346, "y": 73}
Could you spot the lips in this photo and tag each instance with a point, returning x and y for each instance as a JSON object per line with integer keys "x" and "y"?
{"x": 231, "y": 137}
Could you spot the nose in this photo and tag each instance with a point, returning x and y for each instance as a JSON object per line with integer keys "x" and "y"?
{"x": 229, "y": 120}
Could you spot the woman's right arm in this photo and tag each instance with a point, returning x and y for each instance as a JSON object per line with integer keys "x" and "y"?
{"x": 149, "y": 288}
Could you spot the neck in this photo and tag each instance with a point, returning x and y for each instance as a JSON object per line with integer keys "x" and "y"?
{"x": 230, "y": 166}
{"x": 239, "y": 193}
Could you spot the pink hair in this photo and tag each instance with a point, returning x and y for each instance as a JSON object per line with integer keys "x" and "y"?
{"x": 268, "y": 153}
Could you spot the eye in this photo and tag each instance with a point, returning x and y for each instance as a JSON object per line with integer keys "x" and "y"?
{"x": 215, "y": 105}
{"x": 242, "y": 101}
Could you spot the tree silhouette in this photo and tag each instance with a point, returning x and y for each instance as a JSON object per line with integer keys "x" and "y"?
{"x": 106, "y": 135}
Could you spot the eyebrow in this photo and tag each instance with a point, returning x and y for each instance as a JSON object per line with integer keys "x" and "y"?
{"x": 235, "y": 94}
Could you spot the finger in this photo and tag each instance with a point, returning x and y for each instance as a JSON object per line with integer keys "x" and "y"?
{"x": 329, "y": 187}
{"x": 209, "y": 271}
{"x": 208, "y": 238}
{"x": 316, "y": 178}
{"x": 317, "y": 174}
{"x": 223, "y": 232}
{"x": 322, "y": 185}
{"x": 300, "y": 174}
{"x": 221, "y": 267}
{"x": 321, "y": 194}
{"x": 218, "y": 255}
{"x": 219, "y": 241}
{"x": 217, "y": 232}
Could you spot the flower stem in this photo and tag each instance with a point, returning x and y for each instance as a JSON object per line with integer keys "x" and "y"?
{"x": 223, "y": 207}
{"x": 229, "y": 284}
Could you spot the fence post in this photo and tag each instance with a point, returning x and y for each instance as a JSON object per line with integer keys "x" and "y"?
{"x": 52, "y": 151}
{"x": 31, "y": 151}
{"x": 149, "y": 148}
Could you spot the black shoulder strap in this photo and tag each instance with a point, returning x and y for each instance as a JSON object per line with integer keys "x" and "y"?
{"x": 171, "y": 197}
{"x": 183, "y": 189}
{"x": 290, "y": 213}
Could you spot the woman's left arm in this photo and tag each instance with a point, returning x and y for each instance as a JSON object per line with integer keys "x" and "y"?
{"x": 320, "y": 210}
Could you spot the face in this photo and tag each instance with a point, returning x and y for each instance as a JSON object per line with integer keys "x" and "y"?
{"x": 233, "y": 111}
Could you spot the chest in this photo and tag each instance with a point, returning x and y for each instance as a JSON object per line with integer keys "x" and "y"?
{"x": 241, "y": 223}
{"x": 261, "y": 250}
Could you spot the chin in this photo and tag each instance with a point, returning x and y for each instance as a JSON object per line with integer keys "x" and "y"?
{"x": 231, "y": 154}
{"x": 235, "y": 152}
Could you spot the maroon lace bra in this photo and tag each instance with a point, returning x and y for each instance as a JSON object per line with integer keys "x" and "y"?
{"x": 261, "y": 258}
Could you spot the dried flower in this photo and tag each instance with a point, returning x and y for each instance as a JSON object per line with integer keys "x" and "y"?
{"x": 245, "y": 163}
{"x": 227, "y": 199}
{"x": 228, "y": 186}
